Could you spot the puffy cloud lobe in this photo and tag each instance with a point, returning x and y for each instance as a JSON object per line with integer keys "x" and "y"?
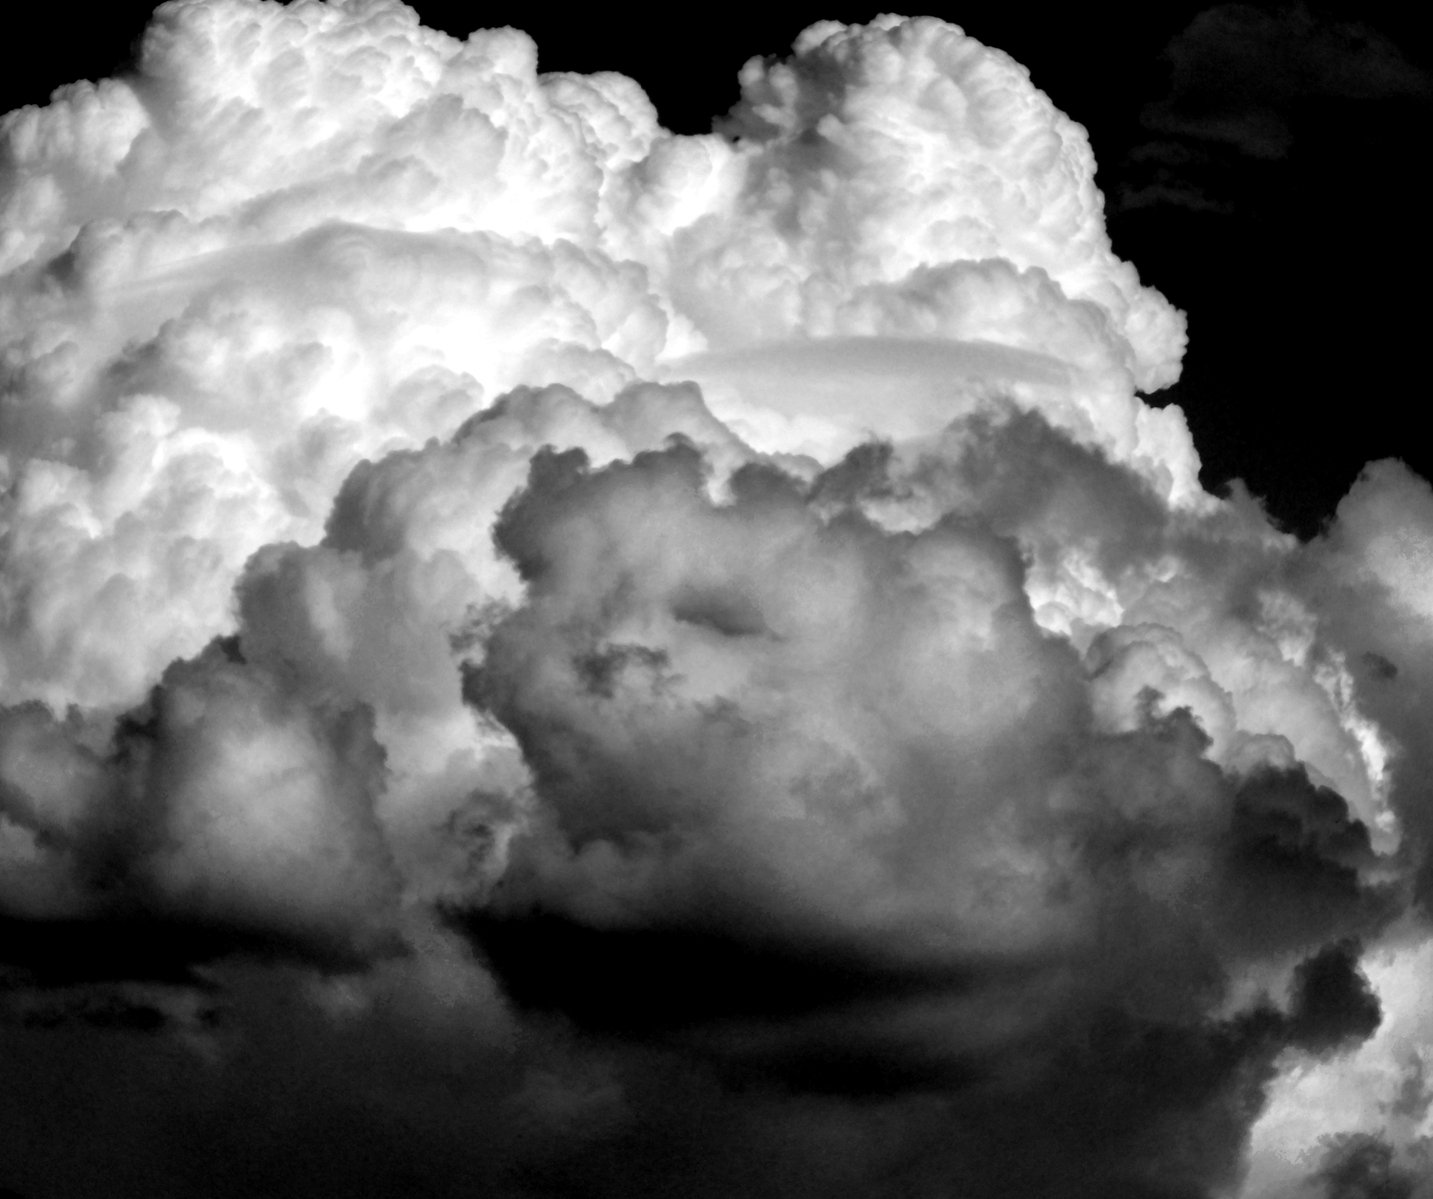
{"x": 1365, "y": 575}
{"x": 334, "y": 111}
{"x": 884, "y": 173}
{"x": 773, "y": 745}
{"x": 867, "y": 131}
{"x": 316, "y": 233}
{"x": 1204, "y": 608}
{"x": 407, "y": 580}
{"x": 221, "y": 803}
{"x": 1360, "y": 1116}
{"x": 269, "y": 316}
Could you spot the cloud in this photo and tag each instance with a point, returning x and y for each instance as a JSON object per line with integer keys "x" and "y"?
{"x": 826, "y": 806}
{"x": 1363, "y": 1166}
{"x": 1236, "y": 69}
{"x": 219, "y": 801}
{"x": 562, "y": 658}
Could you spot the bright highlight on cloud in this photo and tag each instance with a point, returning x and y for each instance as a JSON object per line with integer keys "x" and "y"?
{"x": 666, "y": 663}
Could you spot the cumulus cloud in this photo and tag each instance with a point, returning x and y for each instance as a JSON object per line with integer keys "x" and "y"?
{"x": 632, "y": 662}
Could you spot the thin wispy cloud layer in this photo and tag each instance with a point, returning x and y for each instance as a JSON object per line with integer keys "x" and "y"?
{"x": 541, "y": 656}
{"x": 1244, "y": 78}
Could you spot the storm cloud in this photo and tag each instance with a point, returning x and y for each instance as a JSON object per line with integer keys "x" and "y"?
{"x": 542, "y": 656}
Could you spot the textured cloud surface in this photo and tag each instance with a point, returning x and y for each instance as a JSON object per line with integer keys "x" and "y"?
{"x": 542, "y": 656}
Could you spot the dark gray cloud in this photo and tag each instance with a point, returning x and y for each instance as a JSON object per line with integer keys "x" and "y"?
{"x": 1247, "y": 84}
{"x": 1360, "y": 1166}
{"x": 644, "y": 907}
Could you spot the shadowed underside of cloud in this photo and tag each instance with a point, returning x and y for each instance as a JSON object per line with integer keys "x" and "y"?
{"x": 543, "y": 657}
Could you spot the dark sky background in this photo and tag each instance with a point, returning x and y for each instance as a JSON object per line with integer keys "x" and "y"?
{"x": 1260, "y": 165}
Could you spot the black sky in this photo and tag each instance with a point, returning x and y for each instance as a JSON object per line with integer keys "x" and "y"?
{"x": 1276, "y": 203}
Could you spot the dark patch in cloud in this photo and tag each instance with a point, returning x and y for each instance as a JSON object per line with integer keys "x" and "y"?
{"x": 759, "y": 1006}
{"x": 600, "y": 669}
{"x": 120, "y": 1009}
{"x": 1380, "y": 667}
{"x": 57, "y": 953}
{"x": 1333, "y": 1004}
{"x": 1414, "y": 1095}
{"x": 644, "y": 978}
{"x": 1285, "y": 824}
{"x": 1362, "y": 1166}
{"x": 728, "y": 613}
